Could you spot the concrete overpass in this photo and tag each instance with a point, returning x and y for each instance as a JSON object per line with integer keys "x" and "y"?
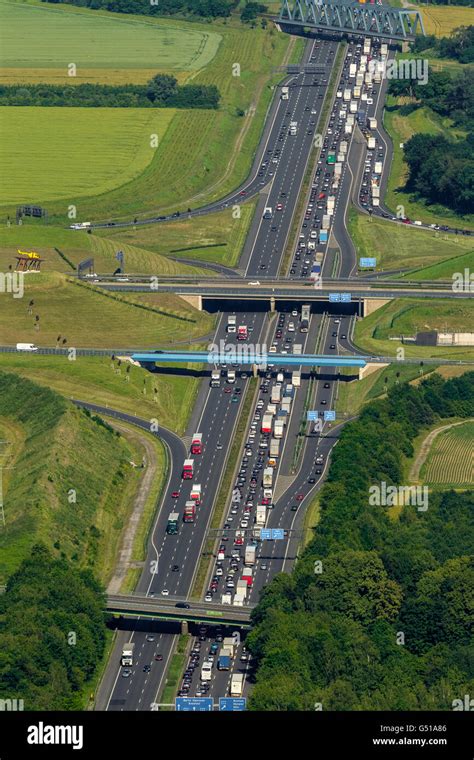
{"x": 245, "y": 355}
{"x": 165, "y": 608}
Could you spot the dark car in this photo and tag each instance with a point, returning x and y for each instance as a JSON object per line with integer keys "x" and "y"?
{"x": 183, "y": 605}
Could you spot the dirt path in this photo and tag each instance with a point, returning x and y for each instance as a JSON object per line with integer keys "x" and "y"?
{"x": 425, "y": 448}
{"x": 125, "y": 556}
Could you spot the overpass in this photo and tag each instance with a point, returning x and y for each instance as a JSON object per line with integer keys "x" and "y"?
{"x": 245, "y": 354}
{"x": 352, "y": 18}
{"x": 165, "y": 608}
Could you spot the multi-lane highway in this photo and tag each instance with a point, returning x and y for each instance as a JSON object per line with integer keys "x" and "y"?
{"x": 300, "y": 465}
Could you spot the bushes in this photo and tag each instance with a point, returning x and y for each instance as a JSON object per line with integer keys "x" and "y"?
{"x": 162, "y": 91}
{"x": 376, "y": 615}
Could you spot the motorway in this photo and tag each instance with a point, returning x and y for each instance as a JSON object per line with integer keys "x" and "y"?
{"x": 173, "y": 560}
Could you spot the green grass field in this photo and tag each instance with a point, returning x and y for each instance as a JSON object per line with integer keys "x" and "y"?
{"x": 450, "y": 461}
{"x": 406, "y": 317}
{"x": 94, "y": 379}
{"x": 202, "y": 154}
{"x": 433, "y": 255}
{"x": 75, "y": 246}
{"x": 352, "y": 395}
{"x": 39, "y": 36}
{"x": 401, "y": 127}
{"x": 55, "y": 448}
{"x": 218, "y": 238}
{"x": 90, "y": 317}
{"x": 68, "y": 153}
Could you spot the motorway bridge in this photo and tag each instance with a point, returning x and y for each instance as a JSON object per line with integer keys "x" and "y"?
{"x": 165, "y": 608}
{"x": 353, "y": 18}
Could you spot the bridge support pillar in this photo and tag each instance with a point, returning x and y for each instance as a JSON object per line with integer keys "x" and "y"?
{"x": 255, "y": 370}
{"x": 272, "y": 304}
{"x": 372, "y": 304}
{"x": 369, "y": 368}
{"x": 405, "y": 46}
{"x": 195, "y": 301}
{"x": 184, "y": 627}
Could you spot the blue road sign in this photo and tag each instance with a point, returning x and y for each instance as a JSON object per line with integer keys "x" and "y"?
{"x": 232, "y": 704}
{"x": 334, "y": 296}
{"x": 311, "y": 416}
{"x": 194, "y": 704}
{"x": 346, "y": 297}
{"x": 278, "y": 534}
{"x": 329, "y": 415}
{"x": 367, "y": 263}
{"x": 265, "y": 534}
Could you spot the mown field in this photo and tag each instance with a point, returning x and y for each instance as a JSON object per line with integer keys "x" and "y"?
{"x": 432, "y": 255}
{"x": 91, "y": 317}
{"x": 401, "y": 127}
{"x": 203, "y": 153}
{"x": 450, "y": 461}
{"x": 40, "y": 41}
{"x": 69, "y": 153}
{"x": 217, "y": 238}
{"x": 408, "y": 316}
{"x": 442, "y": 19}
{"x": 75, "y": 246}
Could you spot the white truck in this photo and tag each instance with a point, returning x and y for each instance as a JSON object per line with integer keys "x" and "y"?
{"x": 284, "y": 93}
{"x": 357, "y": 91}
{"x": 277, "y": 432}
{"x": 215, "y": 378}
{"x": 250, "y": 555}
{"x": 236, "y": 685}
{"x": 231, "y": 376}
{"x": 267, "y": 212}
{"x": 371, "y": 142}
{"x": 229, "y": 645}
{"x": 296, "y": 378}
{"x": 352, "y": 70}
{"x": 276, "y": 394}
{"x": 378, "y": 167}
{"x": 293, "y": 127}
{"x": 372, "y": 123}
{"x": 274, "y": 447}
{"x": 268, "y": 476}
{"x": 260, "y": 519}
{"x": 127, "y": 654}
{"x": 347, "y": 95}
{"x": 238, "y": 599}
{"x": 206, "y": 671}
{"x": 231, "y": 323}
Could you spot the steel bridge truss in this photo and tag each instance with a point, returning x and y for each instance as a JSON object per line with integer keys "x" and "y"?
{"x": 348, "y": 17}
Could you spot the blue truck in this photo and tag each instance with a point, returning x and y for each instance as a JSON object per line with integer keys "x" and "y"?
{"x": 223, "y": 662}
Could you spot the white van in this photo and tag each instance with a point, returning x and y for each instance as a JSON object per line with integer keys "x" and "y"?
{"x": 26, "y": 347}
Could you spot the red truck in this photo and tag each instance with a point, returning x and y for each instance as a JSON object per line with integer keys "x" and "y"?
{"x": 242, "y": 332}
{"x": 196, "y": 444}
{"x": 189, "y": 512}
{"x": 188, "y": 469}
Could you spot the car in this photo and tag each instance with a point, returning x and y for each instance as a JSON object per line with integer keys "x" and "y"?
{"x": 158, "y": 657}
{"x": 165, "y": 592}
{"x": 311, "y": 480}
{"x": 227, "y": 389}
{"x": 235, "y": 400}
{"x": 150, "y": 637}
{"x": 343, "y": 336}
{"x": 318, "y": 471}
{"x": 175, "y": 495}
{"x": 323, "y": 402}
{"x": 175, "y": 569}
{"x": 332, "y": 346}
{"x": 208, "y": 597}
{"x": 126, "y": 673}
{"x": 146, "y": 668}
{"x": 294, "y": 507}
{"x": 299, "y": 496}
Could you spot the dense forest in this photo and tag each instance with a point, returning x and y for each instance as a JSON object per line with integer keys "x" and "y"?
{"x": 441, "y": 167}
{"x": 378, "y": 613}
{"x": 442, "y": 171}
{"x": 52, "y": 633}
{"x": 459, "y": 45}
{"x": 162, "y": 91}
{"x": 204, "y": 8}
